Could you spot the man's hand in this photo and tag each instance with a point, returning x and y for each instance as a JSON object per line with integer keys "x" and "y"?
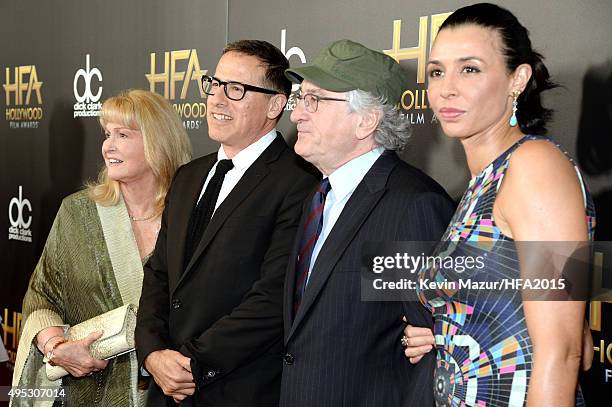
{"x": 172, "y": 372}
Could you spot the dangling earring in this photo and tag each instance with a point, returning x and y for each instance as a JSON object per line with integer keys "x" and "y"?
{"x": 513, "y": 120}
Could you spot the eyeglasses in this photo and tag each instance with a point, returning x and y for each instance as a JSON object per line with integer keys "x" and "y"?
{"x": 233, "y": 90}
{"x": 311, "y": 102}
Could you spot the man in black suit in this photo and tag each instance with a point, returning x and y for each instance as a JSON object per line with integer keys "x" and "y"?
{"x": 341, "y": 351}
{"x": 209, "y": 326}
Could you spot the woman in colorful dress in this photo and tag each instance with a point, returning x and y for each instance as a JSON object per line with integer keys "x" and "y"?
{"x": 93, "y": 257}
{"x": 497, "y": 348}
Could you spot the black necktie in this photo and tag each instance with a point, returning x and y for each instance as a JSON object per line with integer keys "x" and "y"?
{"x": 201, "y": 214}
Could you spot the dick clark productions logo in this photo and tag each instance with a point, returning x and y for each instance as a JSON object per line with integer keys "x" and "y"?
{"x": 88, "y": 104}
{"x": 19, "y": 212}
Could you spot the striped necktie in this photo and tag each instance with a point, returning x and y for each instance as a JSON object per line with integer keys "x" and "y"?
{"x": 312, "y": 230}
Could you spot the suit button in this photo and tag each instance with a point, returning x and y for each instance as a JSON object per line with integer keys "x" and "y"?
{"x": 211, "y": 374}
{"x": 176, "y": 304}
{"x": 289, "y": 359}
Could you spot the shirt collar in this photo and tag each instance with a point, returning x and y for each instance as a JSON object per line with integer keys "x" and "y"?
{"x": 248, "y": 155}
{"x": 346, "y": 178}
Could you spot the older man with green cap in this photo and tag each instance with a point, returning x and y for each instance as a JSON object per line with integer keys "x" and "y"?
{"x": 341, "y": 351}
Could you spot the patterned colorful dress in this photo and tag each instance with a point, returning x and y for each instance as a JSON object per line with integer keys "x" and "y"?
{"x": 484, "y": 352}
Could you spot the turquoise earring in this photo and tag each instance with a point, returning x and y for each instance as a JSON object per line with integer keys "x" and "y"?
{"x": 513, "y": 120}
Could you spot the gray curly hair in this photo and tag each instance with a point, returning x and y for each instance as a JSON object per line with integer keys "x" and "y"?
{"x": 393, "y": 131}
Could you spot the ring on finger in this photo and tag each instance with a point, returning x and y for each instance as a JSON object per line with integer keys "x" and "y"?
{"x": 404, "y": 341}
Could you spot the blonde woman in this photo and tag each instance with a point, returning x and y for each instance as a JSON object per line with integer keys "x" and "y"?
{"x": 93, "y": 257}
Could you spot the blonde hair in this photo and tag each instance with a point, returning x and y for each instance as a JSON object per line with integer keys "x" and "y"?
{"x": 166, "y": 145}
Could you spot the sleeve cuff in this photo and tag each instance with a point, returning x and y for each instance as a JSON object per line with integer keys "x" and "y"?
{"x": 203, "y": 375}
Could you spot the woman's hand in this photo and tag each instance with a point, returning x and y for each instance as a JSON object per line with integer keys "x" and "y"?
{"x": 418, "y": 341}
{"x": 75, "y": 358}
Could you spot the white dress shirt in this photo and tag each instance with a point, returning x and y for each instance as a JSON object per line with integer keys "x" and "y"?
{"x": 343, "y": 183}
{"x": 242, "y": 161}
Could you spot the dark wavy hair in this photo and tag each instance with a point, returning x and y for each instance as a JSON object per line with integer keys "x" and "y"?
{"x": 531, "y": 115}
{"x": 273, "y": 59}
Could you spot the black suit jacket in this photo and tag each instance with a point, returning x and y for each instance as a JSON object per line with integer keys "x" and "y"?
{"x": 224, "y": 310}
{"x": 342, "y": 351}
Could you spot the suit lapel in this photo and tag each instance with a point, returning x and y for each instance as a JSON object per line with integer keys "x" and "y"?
{"x": 361, "y": 203}
{"x": 188, "y": 192}
{"x": 251, "y": 178}
{"x": 291, "y": 274}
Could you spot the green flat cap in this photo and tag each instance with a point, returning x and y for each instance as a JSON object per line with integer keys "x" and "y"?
{"x": 346, "y": 65}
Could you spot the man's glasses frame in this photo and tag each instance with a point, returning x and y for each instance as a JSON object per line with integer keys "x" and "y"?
{"x": 311, "y": 101}
{"x": 236, "y": 90}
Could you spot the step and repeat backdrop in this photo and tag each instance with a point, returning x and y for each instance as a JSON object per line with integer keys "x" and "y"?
{"x": 60, "y": 60}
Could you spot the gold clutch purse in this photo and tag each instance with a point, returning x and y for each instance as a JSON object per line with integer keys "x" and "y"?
{"x": 118, "y": 337}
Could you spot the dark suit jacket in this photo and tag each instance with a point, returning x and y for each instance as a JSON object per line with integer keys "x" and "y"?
{"x": 224, "y": 311}
{"x": 341, "y": 351}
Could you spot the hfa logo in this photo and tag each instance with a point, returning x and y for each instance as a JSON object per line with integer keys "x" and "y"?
{"x": 181, "y": 68}
{"x": 416, "y": 98}
{"x": 88, "y": 104}
{"x": 19, "y": 211}
{"x": 601, "y": 299}
{"x": 25, "y": 88}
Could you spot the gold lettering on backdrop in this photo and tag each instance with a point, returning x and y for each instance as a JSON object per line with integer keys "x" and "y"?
{"x": 595, "y": 310}
{"x": 174, "y": 75}
{"x": 436, "y": 22}
{"x": 161, "y": 77}
{"x": 11, "y": 87}
{"x": 416, "y": 99}
{"x": 604, "y": 351}
{"x": 189, "y": 110}
{"x": 194, "y": 73}
{"x": 22, "y": 84}
{"x": 171, "y": 75}
{"x": 419, "y": 52}
{"x": 599, "y": 294}
{"x": 14, "y": 329}
{"x": 595, "y": 315}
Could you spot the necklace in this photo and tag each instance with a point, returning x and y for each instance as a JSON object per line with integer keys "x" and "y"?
{"x": 135, "y": 219}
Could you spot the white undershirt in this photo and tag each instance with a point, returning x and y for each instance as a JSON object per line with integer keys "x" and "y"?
{"x": 242, "y": 161}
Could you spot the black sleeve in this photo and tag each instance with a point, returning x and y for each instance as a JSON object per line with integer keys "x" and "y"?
{"x": 256, "y": 324}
